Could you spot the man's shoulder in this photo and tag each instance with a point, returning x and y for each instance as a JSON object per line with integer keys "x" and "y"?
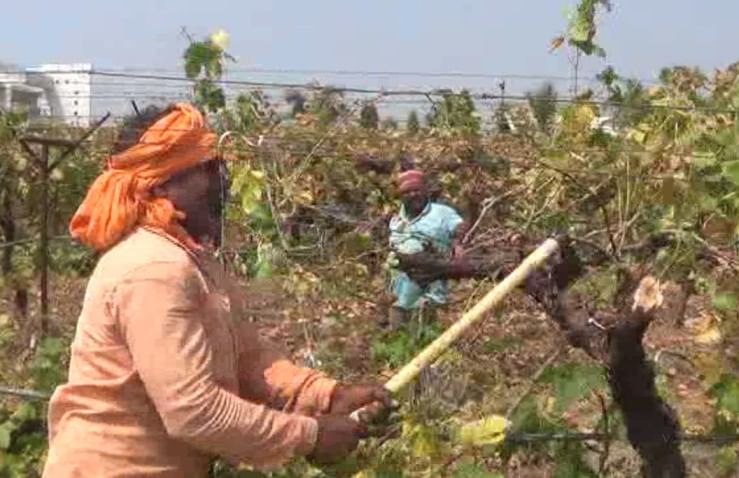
{"x": 144, "y": 245}
{"x": 144, "y": 251}
{"x": 443, "y": 210}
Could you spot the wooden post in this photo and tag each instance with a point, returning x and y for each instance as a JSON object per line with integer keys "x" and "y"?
{"x": 44, "y": 238}
{"x": 45, "y": 166}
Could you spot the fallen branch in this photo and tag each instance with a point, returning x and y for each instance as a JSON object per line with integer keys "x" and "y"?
{"x": 425, "y": 268}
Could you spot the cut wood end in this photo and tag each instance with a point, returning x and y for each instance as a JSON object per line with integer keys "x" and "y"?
{"x": 648, "y": 295}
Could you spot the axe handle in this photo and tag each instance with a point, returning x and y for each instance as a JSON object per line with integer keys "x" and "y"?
{"x": 427, "y": 356}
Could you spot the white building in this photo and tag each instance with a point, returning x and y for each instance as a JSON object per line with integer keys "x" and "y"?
{"x": 78, "y": 95}
{"x": 16, "y": 92}
{"x": 68, "y": 91}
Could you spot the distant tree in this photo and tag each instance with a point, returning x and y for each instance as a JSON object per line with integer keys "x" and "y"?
{"x": 456, "y": 111}
{"x": 543, "y": 103}
{"x": 628, "y": 100}
{"x": 413, "y": 125}
{"x": 250, "y": 111}
{"x": 297, "y": 102}
{"x": 327, "y": 104}
{"x": 368, "y": 117}
{"x": 389, "y": 123}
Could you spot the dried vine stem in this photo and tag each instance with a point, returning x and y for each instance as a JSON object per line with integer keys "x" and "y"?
{"x": 614, "y": 338}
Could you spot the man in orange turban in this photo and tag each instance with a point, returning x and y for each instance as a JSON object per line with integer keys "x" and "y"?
{"x": 163, "y": 376}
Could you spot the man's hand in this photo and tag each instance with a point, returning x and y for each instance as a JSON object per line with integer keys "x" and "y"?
{"x": 338, "y": 436}
{"x": 457, "y": 250}
{"x": 458, "y": 239}
{"x": 348, "y": 398}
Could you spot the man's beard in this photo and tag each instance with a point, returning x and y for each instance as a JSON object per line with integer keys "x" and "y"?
{"x": 206, "y": 229}
{"x": 414, "y": 206}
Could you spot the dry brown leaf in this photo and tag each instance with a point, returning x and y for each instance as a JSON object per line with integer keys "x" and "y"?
{"x": 556, "y": 43}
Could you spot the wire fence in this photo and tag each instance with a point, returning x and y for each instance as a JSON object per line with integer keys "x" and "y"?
{"x": 360, "y": 73}
{"x": 397, "y": 97}
{"x": 514, "y": 437}
{"x": 131, "y": 78}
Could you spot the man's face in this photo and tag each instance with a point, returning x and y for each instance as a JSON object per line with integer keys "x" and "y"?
{"x": 200, "y": 193}
{"x": 414, "y": 202}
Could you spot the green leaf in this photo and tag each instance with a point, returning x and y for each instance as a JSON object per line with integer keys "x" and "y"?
{"x": 6, "y": 432}
{"x": 471, "y": 470}
{"x": 196, "y": 56}
{"x": 704, "y": 159}
{"x": 707, "y": 202}
{"x": 389, "y": 474}
{"x": 599, "y": 51}
{"x": 726, "y": 391}
{"x": 26, "y": 411}
{"x": 260, "y": 217}
{"x": 727, "y": 460}
{"x": 52, "y": 347}
{"x": 579, "y": 30}
{"x": 572, "y": 382}
{"x": 731, "y": 171}
{"x": 725, "y": 301}
{"x": 264, "y": 268}
{"x": 573, "y": 469}
{"x": 490, "y": 430}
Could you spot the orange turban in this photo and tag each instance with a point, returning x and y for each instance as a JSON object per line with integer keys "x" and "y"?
{"x": 120, "y": 198}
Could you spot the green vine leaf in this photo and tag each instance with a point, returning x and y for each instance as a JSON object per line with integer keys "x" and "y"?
{"x": 472, "y": 470}
{"x": 6, "y": 432}
{"x": 726, "y": 301}
{"x": 572, "y": 382}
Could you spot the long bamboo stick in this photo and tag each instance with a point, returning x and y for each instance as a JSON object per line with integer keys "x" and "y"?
{"x": 427, "y": 356}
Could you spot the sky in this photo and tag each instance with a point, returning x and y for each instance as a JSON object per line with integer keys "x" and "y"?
{"x": 465, "y": 36}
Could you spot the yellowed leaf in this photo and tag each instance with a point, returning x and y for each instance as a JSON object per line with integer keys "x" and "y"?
{"x": 556, "y": 43}
{"x": 549, "y": 404}
{"x": 364, "y": 474}
{"x": 304, "y": 197}
{"x": 709, "y": 337}
{"x": 487, "y": 431}
{"x": 637, "y": 135}
{"x": 701, "y": 324}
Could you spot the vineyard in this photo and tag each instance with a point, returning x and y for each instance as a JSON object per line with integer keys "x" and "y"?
{"x": 656, "y": 192}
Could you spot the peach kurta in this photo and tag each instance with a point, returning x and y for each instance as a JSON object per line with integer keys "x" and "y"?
{"x": 162, "y": 378}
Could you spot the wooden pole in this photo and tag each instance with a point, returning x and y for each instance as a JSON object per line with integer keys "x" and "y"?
{"x": 44, "y": 239}
{"x": 442, "y": 343}
{"x": 45, "y": 167}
